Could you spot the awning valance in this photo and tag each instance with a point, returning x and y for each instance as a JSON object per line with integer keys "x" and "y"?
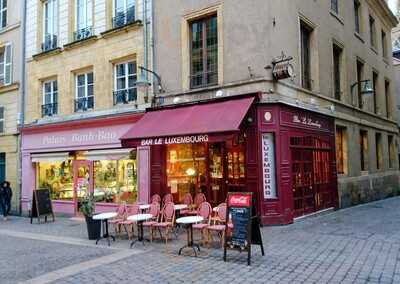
{"x": 197, "y": 123}
{"x": 105, "y": 155}
{"x": 50, "y": 157}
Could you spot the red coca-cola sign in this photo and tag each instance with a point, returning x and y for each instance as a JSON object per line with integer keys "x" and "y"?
{"x": 239, "y": 200}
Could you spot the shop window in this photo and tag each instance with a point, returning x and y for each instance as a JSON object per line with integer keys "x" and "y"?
{"x": 83, "y": 22}
{"x": 363, "y": 141}
{"x": 125, "y": 77}
{"x": 378, "y": 151}
{"x": 391, "y": 150}
{"x": 305, "y": 41}
{"x": 357, "y": 16}
{"x": 335, "y": 6}
{"x": 115, "y": 181}
{"x": 2, "y": 120}
{"x": 123, "y": 13}
{"x": 337, "y": 65}
{"x": 384, "y": 44}
{"x": 50, "y": 98}
{"x": 58, "y": 177}
{"x": 204, "y": 52}
{"x": 3, "y": 13}
{"x": 372, "y": 32}
{"x": 50, "y": 25}
{"x": 341, "y": 150}
{"x": 84, "y": 98}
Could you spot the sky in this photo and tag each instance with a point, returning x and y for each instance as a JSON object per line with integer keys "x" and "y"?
{"x": 392, "y": 5}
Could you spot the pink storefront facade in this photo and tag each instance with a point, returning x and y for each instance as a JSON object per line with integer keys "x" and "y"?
{"x": 74, "y": 158}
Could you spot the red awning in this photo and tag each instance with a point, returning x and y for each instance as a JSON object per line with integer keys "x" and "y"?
{"x": 204, "y": 122}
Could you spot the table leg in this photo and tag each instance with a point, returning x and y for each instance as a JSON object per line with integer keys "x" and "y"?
{"x": 190, "y": 243}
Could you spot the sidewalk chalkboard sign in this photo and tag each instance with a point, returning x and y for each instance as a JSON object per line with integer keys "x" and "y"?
{"x": 241, "y": 214}
{"x": 41, "y": 204}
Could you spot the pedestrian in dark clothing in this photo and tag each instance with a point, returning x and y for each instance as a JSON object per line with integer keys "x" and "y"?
{"x": 5, "y": 198}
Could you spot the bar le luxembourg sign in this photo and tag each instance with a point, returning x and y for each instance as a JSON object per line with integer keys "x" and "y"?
{"x": 268, "y": 158}
{"x": 175, "y": 140}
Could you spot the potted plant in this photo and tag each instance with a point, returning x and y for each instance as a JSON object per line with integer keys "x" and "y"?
{"x": 87, "y": 208}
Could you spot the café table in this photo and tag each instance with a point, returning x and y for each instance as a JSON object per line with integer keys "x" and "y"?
{"x": 139, "y": 219}
{"x": 189, "y": 221}
{"x": 178, "y": 208}
{"x": 104, "y": 217}
{"x": 144, "y": 207}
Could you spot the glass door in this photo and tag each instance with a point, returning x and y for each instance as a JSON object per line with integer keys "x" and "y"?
{"x": 83, "y": 181}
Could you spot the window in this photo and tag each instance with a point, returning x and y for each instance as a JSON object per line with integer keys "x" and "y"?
{"x": 84, "y": 92}
{"x": 363, "y": 150}
{"x": 50, "y": 94}
{"x": 372, "y": 32}
{"x": 124, "y": 83}
{"x": 387, "y": 99}
{"x": 337, "y": 58}
{"x": 357, "y": 16}
{"x": 335, "y": 6}
{"x": 384, "y": 45}
{"x": 204, "y": 52}
{"x": 5, "y": 65}
{"x": 3, "y": 13}
{"x": 2, "y": 166}
{"x": 83, "y": 19}
{"x": 2, "y": 122}
{"x": 341, "y": 150}
{"x": 360, "y": 75}
{"x": 378, "y": 151}
{"x": 391, "y": 151}
{"x": 123, "y": 13}
{"x": 305, "y": 38}
{"x": 375, "y": 77}
{"x": 50, "y": 25}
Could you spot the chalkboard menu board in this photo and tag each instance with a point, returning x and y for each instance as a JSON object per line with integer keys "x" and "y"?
{"x": 242, "y": 227}
{"x": 41, "y": 205}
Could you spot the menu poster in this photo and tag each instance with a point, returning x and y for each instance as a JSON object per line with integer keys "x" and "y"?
{"x": 41, "y": 205}
{"x": 242, "y": 222}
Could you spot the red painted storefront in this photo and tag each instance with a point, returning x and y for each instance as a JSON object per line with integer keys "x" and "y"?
{"x": 288, "y": 152}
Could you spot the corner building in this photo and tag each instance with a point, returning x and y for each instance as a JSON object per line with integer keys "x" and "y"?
{"x": 323, "y": 137}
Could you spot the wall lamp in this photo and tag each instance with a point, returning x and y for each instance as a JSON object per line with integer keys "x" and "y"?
{"x": 365, "y": 88}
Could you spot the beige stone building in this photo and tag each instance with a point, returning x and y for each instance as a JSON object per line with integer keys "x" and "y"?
{"x": 342, "y": 68}
{"x": 10, "y": 80}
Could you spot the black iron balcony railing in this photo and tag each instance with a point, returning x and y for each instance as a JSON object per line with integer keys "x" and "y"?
{"x": 124, "y": 96}
{"x": 84, "y": 104}
{"x": 50, "y": 42}
{"x": 49, "y": 109}
{"x": 83, "y": 33}
{"x": 124, "y": 18}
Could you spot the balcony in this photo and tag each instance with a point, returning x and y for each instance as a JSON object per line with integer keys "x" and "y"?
{"x": 84, "y": 33}
{"x": 124, "y": 18}
{"x": 124, "y": 96}
{"x": 49, "y": 109}
{"x": 84, "y": 104}
{"x": 50, "y": 43}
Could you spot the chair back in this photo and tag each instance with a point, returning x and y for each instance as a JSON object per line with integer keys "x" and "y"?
{"x": 187, "y": 199}
{"x": 121, "y": 210}
{"x": 199, "y": 198}
{"x": 156, "y": 198}
{"x": 204, "y": 210}
{"x": 134, "y": 209}
{"x": 168, "y": 198}
{"x": 155, "y": 210}
{"x": 169, "y": 212}
{"x": 222, "y": 212}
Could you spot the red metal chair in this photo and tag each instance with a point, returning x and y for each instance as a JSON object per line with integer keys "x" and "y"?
{"x": 187, "y": 200}
{"x": 155, "y": 211}
{"x": 198, "y": 199}
{"x": 205, "y": 211}
{"x": 121, "y": 210}
{"x": 127, "y": 224}
{"x": 156, "y": 198}
{"x": 167, "y": 220}
{"x": 218, "y": 223}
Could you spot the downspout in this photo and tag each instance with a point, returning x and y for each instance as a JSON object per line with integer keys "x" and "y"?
{"x": 153, "y": 46}
{"x": 21, "y": 118}
{"x": 145, "y": 45}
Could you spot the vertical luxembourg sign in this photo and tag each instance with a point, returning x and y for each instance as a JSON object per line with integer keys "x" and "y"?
{"x": 269, "y": 173}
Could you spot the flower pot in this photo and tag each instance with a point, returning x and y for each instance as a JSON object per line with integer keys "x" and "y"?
{"x": 93, "y": 227}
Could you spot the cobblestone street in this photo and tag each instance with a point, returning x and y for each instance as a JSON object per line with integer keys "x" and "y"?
{"x": 357, "y": 245}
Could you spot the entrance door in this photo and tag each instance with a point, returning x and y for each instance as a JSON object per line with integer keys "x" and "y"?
{"x": 83, "y": 181}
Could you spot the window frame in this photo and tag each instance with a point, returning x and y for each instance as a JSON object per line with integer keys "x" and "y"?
{"x": 342, "y": 150}
{"x": 375, "y": 86}
{"x": 305, "y": 63}
{"x": 391, "y": 151}
{"x": 337, "y": 52}
{"x": 3, "y": 119}
{"x": 126, "y": 75}
{"x": 88, "y": 17}
{"x": 52, "y": 18}
{"x": 7, "y": 64}
{"x": 3, "y": 10}
{"x": 360, "y": 70}
{"x": 363, "y": 143}
{"x": 372, "y": 32}
{"x": 388, "y": 99}
{"x": 384, "y": 44}
{"x": 378, "y": 151}
{"x": 86, "y": 84}
{"x": 357, "y": 16}
{"x": 126, "y": 7}
{"x": 53, "y": 93}
{"x": 335, "y": 6}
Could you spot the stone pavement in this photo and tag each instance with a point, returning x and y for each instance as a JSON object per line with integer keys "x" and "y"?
{"x": 356, "y": 245}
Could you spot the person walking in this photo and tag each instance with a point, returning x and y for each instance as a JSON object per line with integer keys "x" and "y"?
{"x": 5, "y": 198}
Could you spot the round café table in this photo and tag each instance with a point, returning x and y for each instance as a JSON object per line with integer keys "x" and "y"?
{"x": 144, "y": 207}
{"x": 178, "y": 208}
{"x": 139, "y": 219}
{"x": 104, "y": 217}
{"x": 189, "y": 221}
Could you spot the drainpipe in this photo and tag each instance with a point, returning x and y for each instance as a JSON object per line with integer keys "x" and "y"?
{"x": 153, "y": 46}
{"x": 145, "y": 45}
{"x": 21, "y": 118}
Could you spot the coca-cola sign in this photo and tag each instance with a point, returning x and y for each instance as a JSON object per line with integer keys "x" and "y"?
{"x": 239, "y": 200}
